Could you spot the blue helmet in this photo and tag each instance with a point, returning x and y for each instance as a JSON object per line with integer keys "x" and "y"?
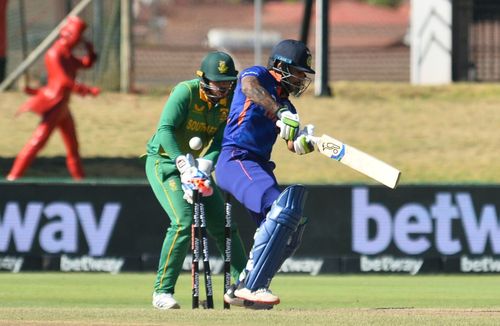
{"x": 293, "y": 53}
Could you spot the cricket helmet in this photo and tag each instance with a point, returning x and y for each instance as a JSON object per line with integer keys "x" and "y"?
{"x": 218, "y": 66}
{"x": 290, "y": 54}
{"x": 293, "y": 53}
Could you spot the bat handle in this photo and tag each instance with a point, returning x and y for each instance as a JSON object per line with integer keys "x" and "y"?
{"x": 314, "y": 139}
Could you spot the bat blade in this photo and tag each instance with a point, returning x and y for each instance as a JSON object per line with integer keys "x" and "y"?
{"x": 358, "y": 160}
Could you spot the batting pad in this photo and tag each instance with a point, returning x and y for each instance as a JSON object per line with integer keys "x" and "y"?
{"x": 273, "y": 235}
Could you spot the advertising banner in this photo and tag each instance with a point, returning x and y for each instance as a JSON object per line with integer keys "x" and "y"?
{"x": 350, "y": 229}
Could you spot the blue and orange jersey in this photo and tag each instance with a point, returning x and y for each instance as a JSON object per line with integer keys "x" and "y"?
{"x": 249, "y": 126}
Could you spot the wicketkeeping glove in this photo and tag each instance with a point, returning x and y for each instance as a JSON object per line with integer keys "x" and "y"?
{"x": 204, "y": 165}
{"x": 288, "y": 123}
{"x": 304, "y": 143}
{"x": 192, "y": 178}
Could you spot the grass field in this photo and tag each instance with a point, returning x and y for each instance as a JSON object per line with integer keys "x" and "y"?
{"x": 445, "y": 134}
{"x": 124, "y": 299}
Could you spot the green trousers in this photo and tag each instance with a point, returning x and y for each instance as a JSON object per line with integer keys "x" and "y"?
{"x": 167, "y": 188}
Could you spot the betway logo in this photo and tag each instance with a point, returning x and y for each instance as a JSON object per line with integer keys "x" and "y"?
{"x": 91, "y": 264}
{"x": 390, "y": 264}
{"x": 11, "y": 263}
{"x": 414, "y": 228}
{"x": 312, "y": 266}
{"x": 479, "y": 265}
{"x": 60, "y": 233}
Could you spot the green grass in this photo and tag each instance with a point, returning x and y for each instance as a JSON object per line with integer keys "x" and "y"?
{"x": 124, "y": 299}
{"x": 440, "y": 134}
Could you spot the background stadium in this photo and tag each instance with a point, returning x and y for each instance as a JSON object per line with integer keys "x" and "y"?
{"x": 431, "y": 253}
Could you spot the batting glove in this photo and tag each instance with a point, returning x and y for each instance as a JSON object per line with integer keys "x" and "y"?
{"x": 288, "y": 123}
{"x": 304, "y": 143}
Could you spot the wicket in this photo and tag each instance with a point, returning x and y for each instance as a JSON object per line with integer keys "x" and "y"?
{"x": 227, "y": 246}
{"x": 206, "y": 261}
{"x": 195, "y": 246}
{"x": 199, "y": 245}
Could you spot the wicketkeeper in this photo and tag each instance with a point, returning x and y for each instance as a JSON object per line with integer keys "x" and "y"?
{"x": 195, "y": 108}
{"x": 261, "y": 103}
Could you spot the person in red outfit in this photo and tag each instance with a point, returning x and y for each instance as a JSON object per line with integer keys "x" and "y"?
{"x": 51, "y": 101}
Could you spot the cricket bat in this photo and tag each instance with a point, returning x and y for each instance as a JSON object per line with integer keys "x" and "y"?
{"x": 358, "y": 160}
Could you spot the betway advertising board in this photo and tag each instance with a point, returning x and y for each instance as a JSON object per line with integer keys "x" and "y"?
{"x": 351, "y": 229}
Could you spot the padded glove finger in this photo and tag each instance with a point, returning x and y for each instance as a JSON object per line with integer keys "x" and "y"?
{"x": 303, "y": 145}
{"x": 288, "y": 123}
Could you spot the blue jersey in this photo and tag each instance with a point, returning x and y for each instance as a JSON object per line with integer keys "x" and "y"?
{"x": 249, "y": 126}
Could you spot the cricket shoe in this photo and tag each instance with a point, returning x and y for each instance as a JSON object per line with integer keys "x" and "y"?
{"x": 233, "y": 300}
{"x": 164, "y": 301}
{"x": 262, "y": 295}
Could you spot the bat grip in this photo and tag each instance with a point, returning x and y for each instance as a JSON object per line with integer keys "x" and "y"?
{"x": 314, "y": 139}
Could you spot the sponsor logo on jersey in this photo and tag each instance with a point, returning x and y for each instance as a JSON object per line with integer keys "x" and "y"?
{"x": 197, "y": 126}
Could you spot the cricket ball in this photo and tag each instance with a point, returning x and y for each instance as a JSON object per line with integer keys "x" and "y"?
{"x": 195, "y": 143}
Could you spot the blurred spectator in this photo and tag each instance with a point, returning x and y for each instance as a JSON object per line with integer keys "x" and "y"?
{"x": 51, "y": 101}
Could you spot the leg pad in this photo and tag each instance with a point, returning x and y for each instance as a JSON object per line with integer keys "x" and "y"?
{"x": 273, "y": 236}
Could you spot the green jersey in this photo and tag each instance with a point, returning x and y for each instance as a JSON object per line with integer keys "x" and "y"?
{"x": 188, "y": 113}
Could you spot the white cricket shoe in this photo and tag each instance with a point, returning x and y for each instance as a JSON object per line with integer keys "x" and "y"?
{"x": 164, "y": 301}
{"x": 262, "y": 295}
{"x": 233, "y": 300}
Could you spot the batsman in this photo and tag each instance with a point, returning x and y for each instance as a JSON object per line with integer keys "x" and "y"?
{"x": 195, "y": 108}
{"x": 260, "y": 111}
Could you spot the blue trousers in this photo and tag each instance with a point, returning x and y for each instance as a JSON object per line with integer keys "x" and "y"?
{"x": 249, "y": 179}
